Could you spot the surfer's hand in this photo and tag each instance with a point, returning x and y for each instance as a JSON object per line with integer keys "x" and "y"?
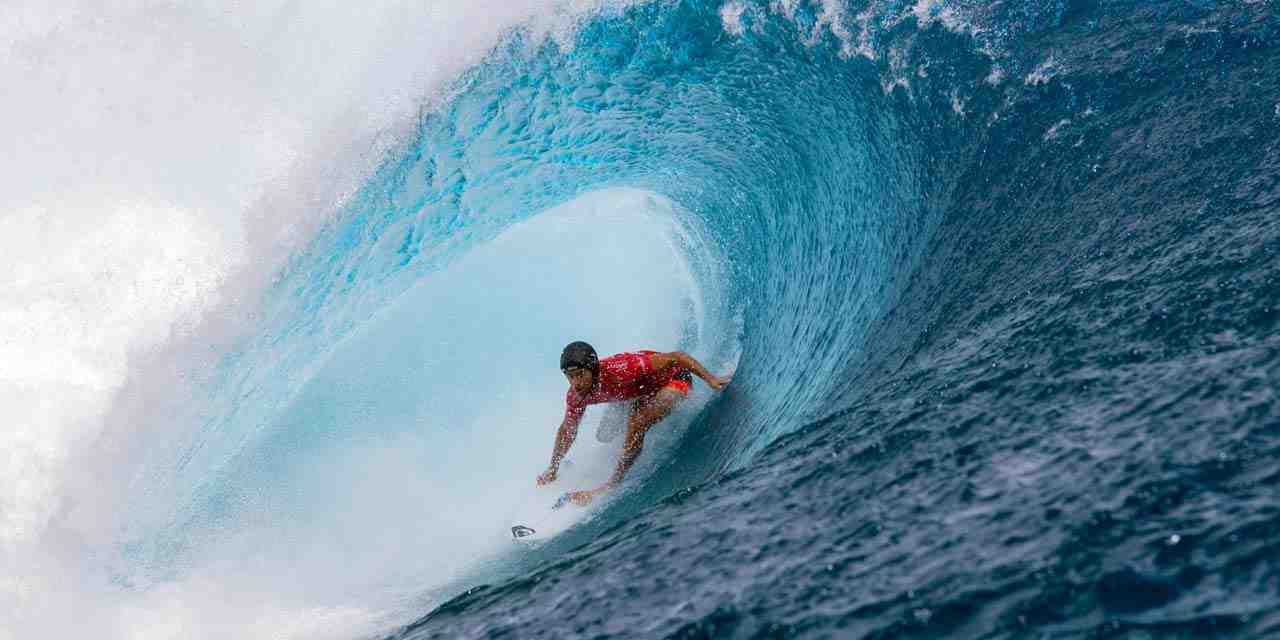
{"x": 547, "y": 477}
{"x": 718, "y": 383}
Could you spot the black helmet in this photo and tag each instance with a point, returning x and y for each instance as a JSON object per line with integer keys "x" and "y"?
{"x": 579, "y": 354}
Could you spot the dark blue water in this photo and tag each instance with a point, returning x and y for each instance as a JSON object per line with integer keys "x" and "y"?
{"x": 1001, "y": 281}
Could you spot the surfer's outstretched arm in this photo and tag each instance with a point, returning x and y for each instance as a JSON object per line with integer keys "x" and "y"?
{"x": 565, "y": 436}
{"x": 664, "y": 361}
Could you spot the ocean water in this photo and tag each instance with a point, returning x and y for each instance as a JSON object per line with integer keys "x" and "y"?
{"x": 998, "y": 283}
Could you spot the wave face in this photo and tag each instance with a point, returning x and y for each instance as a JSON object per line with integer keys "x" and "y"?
{"x": 998, "y": 283}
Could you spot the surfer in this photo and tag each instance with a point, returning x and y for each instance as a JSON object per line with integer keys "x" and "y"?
{"x": 654, "y": 382}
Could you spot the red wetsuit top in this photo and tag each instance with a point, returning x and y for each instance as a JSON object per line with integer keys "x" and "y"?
{"x": 627, "y": 376}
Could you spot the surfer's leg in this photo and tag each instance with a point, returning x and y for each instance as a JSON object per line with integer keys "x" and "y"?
{"x": 645, "y": 413}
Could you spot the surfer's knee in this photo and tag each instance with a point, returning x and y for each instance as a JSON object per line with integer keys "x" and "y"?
{"x": 663, "y": 402}
{"x": 641, "y": 420}
{"x": 671, "y": 397}
{"x": 653, "y": 410}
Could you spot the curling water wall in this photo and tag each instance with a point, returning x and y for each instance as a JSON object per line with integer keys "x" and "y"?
{"x": 995, "y": 280}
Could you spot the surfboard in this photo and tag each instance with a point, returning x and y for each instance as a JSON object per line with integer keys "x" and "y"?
{"x": 539, "y": 520}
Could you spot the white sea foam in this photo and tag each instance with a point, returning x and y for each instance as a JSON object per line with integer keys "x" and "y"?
{"x": 1055, "y": 130}
{"x": 930, "y": 12}
{"x": 1044, "y": 72}
{"x": 731, "y": 17}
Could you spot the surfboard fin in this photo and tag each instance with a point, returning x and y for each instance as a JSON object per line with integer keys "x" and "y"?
{"x": 521, "y": 531}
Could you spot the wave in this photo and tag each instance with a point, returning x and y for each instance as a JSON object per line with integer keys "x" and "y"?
{"x": 390, "y": 368}
{"x": 811, "y": 194}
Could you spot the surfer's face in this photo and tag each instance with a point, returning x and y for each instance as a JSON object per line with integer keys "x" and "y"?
{"x": 580, "y": 379}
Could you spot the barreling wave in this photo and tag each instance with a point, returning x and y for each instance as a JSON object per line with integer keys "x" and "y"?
{"x": 803, "y": 191}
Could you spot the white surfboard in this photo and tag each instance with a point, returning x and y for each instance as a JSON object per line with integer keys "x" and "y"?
{"x": 543, "y": 514}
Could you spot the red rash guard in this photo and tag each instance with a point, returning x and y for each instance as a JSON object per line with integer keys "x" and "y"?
{"x": 627, "y": 376}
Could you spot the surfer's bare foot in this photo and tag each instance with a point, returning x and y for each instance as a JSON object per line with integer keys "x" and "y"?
{"x": 547, "y": 477}
{"x": 582, "y": 498}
